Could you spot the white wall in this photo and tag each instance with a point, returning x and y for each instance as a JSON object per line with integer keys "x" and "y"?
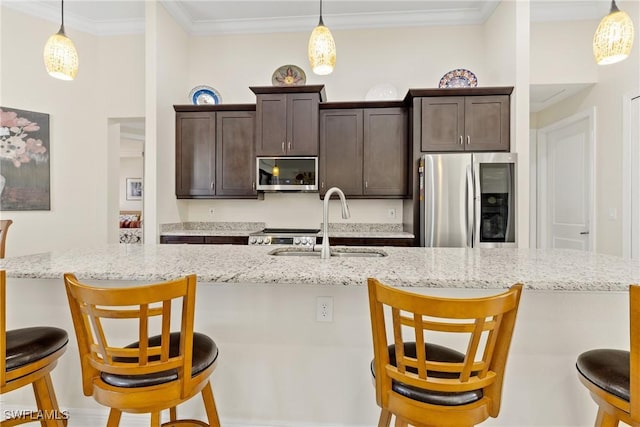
{"x": 569, "y": 48}
{"x": 109, "y": 82}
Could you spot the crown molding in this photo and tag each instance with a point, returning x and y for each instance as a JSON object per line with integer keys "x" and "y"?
{"x": 453, "y": 16}
{"x": 48, "y": 12}
{"x": 417, "y": 18}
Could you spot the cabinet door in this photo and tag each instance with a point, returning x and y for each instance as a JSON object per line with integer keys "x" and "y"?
{"x": 302, "y": 124}
{"x": 386, "y": 152}
{"x": 235, "y": 161}
{"x": 195, "y": 154}
{"x": 341, "y": 151}
{"x": 442, "y": 124}
{"x": 487, "y": 123}
{"x": 271, "y": 124}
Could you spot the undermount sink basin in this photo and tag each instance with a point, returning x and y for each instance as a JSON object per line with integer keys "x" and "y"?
{"x": 335, "y": 252}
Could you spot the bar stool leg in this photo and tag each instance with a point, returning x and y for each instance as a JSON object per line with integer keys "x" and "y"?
{"x": 114, "y": 418}
{"x": 604, "y": 419}
{"x": 210, "y": 406}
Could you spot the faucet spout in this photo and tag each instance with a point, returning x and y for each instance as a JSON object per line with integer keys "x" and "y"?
{"x": 326, "y": 247}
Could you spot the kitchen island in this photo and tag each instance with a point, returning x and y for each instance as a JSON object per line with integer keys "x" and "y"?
{"x": 279, "y": 366}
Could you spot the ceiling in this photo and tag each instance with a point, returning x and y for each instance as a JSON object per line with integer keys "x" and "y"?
{"x": 208, "y": 17}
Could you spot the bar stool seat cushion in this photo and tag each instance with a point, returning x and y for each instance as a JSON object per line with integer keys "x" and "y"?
{"x": 27, "y": 345}
{"x": 435, "y": 353}
{"x": 205, "y": 352}
{"x": 607, "y": 369}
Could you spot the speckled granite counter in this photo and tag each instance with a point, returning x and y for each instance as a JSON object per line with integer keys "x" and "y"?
{"x": 211, "y": 228}
{"x": 419, "y": 267}
{"x": 241, "y": 229}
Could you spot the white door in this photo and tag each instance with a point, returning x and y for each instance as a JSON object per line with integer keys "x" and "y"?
{"x": 635, "y": 178}
{"x": 565, "y": 190}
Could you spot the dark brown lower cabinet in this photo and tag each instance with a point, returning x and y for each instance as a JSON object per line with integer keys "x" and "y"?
{"x": 194, "y": 240}
{"x": 206, "y": 240}
{"x": 364, "y": 152}
{"x": 369, "y": 241}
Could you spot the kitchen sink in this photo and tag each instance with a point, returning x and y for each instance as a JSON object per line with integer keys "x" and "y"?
{"x": 335, "y": 252}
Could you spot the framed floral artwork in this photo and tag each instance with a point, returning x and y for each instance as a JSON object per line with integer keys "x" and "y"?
{"x": 24, "y": 160}
{"x": 134, "y": 188}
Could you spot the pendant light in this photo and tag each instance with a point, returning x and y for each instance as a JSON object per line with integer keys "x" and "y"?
{"x": 322, "y": 49}
{"x": 613, "y": 39}
{"x": 60, "y": 55}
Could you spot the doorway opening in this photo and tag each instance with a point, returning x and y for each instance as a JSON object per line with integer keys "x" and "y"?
{"x": 126, "y": 180}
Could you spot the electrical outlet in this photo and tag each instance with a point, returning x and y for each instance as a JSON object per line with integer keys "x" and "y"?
{"x": 324, "y": 309}
{"x": 210, "y": 211}
{"x": 391, "y": 213}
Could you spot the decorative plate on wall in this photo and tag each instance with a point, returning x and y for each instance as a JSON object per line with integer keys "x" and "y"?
{"x": 458, "y": 78}
{"x": 201, "y": 95}
{"x": 288, "y": 75}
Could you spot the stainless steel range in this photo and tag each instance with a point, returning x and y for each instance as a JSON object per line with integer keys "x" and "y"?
{"x": 285, "y": 236}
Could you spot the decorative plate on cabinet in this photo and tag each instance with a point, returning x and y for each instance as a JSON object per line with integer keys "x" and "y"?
{"x": 288, "y": 75}
{"x": 458, "y": 78}
{"x": 201, "y": 95}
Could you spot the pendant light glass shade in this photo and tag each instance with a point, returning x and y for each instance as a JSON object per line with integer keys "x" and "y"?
{"x": 613, "y": 39}
{"x": 322, "y": 49}
{"x": 60, "y": 55}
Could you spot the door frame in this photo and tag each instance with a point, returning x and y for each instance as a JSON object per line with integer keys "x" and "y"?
{"x": 627, "y": 164}
{"x": 541, "y": 224}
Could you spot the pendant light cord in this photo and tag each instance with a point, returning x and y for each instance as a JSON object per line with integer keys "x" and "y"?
{"x": 61, "y": 31}
{"x": 321, "y": 23}
{"x": 614, "y": 7}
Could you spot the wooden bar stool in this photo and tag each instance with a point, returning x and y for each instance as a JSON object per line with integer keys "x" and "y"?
{"x": 131, "y": 361}
{"x": 27, "y": 357}
{"x": 425, "y": 384}
{"x": 4, "y": 227}
{"x": 613, "y": 376}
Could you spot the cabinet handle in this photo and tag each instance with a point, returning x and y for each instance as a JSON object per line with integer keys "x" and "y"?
{"x": 213, "y": 185}
{"x": 253, "y": 186}
{"x": 366, "y": 184}
{"x": 468, "y": 140}
{"x": 289, "y": 146}
{"x": 283, "y": 146}
{"x": 321, "y": 184}
{"x": 461, "y": 140}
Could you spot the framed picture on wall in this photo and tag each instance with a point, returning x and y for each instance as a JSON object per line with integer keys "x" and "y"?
{"x": 134, "y": 188}
{"x": 24, "y": 160}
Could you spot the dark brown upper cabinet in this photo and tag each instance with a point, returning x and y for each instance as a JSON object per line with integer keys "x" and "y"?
{"x": 364, "y": 152}
{"x": 215, "y": 152}
{"x": 287, "y": 120}
{"x": 467, "y": 119}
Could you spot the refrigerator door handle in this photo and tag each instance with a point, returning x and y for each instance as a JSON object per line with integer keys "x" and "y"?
{"x": 470, "y": 208}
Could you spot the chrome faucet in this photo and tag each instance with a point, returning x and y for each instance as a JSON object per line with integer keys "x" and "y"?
{"x": 326, "y": 248}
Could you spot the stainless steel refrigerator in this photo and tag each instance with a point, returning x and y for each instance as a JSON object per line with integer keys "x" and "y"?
{"x": 468, "y": 200}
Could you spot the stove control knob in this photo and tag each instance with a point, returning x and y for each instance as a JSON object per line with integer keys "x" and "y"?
{"x": 296, "y": 240}
{"x": 252, "y": 240}
{"x": 267, "y": 240}
{"x": 259, "y": 240}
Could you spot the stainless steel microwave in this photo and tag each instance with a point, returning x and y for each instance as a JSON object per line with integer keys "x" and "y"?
{"x": 287, "y": 173}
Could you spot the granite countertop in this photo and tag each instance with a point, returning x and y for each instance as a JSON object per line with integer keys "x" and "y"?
{"x": 569, "y": 270}
{"x": 353, "y": 230}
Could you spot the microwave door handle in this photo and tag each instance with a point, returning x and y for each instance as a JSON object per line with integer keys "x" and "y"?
{"x": 469, "y": 208}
